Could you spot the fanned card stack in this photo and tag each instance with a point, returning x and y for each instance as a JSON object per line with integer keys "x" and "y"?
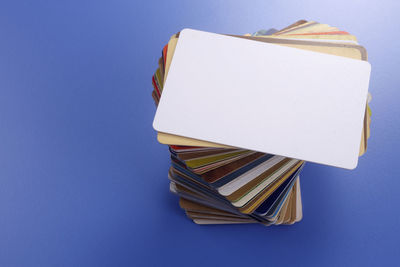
{"x": 242, "y": 114}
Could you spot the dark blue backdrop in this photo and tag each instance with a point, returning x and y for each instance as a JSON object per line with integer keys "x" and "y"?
{"x": 83, "y": 181}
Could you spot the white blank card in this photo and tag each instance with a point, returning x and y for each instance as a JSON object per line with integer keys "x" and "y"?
{"x": 265, "y": 97}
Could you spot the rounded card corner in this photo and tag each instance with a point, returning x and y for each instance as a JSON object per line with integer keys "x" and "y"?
{"x": 184, "y": 31}
{"x": 353, "y": 164}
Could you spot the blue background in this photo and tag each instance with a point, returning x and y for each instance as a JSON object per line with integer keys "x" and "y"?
{"x": 83, "y": 181}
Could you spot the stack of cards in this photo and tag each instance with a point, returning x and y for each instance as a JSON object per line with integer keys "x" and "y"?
{"x": 219, "y": 183}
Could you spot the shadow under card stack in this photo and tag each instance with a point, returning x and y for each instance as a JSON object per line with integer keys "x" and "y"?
{"x": 219, "y": 184}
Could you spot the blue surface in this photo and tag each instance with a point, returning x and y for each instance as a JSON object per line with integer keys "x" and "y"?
{"x": 83, "y": 181}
